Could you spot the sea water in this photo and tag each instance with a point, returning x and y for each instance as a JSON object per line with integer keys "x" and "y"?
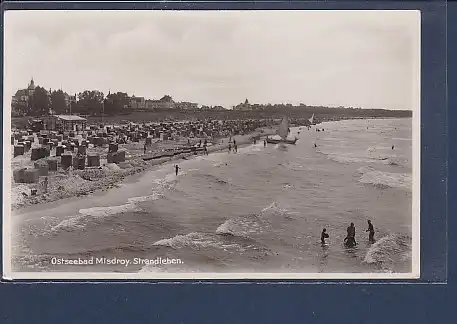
{"x": 259, "y": 210}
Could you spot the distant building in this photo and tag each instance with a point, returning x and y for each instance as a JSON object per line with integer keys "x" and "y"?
{"x": 67, "y": 122}
{"x": 186, "y": 105}
{"x": 150, "y": 104}
{"x": 243, "y": 106}
{"x": 20, "y": 100}
{"x": 137, "y": 102}
{"x": 166, "y": 102}
{"x": 212, "y": 108}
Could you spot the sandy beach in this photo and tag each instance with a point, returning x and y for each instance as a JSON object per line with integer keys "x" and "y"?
{"x": 75, "y": 183}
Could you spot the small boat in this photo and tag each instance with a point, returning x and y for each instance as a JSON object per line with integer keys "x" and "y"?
{"x": 277, "y": 141}
{"x": 283, "y": 131}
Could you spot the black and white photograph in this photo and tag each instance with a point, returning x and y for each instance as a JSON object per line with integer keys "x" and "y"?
{"x": 161, "y": 144}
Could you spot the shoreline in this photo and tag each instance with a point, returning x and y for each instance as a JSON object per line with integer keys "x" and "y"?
{"x": 78, "y": 184}
{"x": 131, "y": 170}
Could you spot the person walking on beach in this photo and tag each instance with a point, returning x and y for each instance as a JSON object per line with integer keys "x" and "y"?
{"x": 234, "y": 142}
{"x": 230, "y": 147}
{"x": 350, "y": 238}
{"x": 371, "y": 230}
{"x": 393, "y": 146}
{"x": 45, "y": 185}
{"x": 255, "y": 141}
{"x": 144, "y": 149}
{"x": 324, "y": 235}
{"x": 177, "y": 169}
{"x": 264, "y": 143}
{"x": 235, "y": 148}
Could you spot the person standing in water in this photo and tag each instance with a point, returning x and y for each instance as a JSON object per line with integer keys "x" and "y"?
{"x": 324, "y": 235}
{"x": 371, "y": 230}
{"x": 350, "y": 238}
{"x": 177, "y": 169}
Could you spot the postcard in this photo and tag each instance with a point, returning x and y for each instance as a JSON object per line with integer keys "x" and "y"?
{"x": 211, "y": 144}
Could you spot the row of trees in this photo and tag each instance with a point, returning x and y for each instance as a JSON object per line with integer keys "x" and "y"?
{"x": 89, "y": 102}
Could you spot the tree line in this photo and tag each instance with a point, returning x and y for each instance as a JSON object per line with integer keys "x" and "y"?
{"x": 89, "y": 102}
{"x": 95, "y": 103}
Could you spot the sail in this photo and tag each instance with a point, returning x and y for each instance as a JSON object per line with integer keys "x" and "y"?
{"x": 283, "y": 130}
{"x": 311, "y": 119}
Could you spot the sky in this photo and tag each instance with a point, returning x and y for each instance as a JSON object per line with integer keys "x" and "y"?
{"x": 367, "y": 59}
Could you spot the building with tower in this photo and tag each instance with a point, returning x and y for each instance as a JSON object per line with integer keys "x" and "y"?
{"x": 243, "y": 106}
{"x": 20, "y": 100}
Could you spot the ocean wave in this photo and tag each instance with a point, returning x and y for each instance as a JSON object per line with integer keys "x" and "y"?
{"x": 71, "y": 224}
{"x": 389, "y": 249}
{"x": 110, "y": 210}
{"x": 154, "y": 196}
{"x": 371, "y": 156}
{"x": 381, "y": 179}
{"x": 251, "y": 224}
{"x": 88, "y": 215}
{"x": 274, "y": 209}
{"x": 196, "y": 241}
{"x": 242, "y": 226}
{"x": 346, "y": 159}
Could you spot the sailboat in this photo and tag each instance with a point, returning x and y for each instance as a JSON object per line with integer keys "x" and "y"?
{"x": 311, "y": 119}
{"x": 283, "y": 131}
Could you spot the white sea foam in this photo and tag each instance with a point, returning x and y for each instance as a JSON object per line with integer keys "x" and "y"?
{"x": 154, "y": 196}
{"x": 346, "y": 159}
{"x": 80, "y": 221}
{"x": 389, "y": 249}
{"x": 107, "y": 211}
{"x": 242, "y": 226}
{"x": 71, "y": 224}
{"x": 195, "y": 241}
{"x": 387, "y": 179}
{"x": 274, "y": 209}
